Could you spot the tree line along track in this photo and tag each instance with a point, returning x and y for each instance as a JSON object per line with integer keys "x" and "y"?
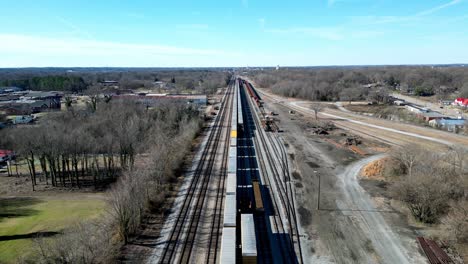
{"x": 199, "y": 182}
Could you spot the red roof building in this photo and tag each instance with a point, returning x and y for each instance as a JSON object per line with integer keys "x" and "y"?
{"x": 461, "y": 102}
{"x": 6, "y": 155}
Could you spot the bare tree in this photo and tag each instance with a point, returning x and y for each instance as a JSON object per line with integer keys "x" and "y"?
{"x": 317, "y": 107}
{"x": 408, "y": 156}
{"x": 456, "y": 221}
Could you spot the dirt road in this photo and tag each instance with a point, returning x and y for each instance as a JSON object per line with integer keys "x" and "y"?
{"x": 388, "y": 246}
{"x": 350, "y": 226}
{"x": 387, "y": 131}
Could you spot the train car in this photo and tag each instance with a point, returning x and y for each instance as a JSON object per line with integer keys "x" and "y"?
{"x": 232, "y": 164}
{"x": 228, "y": 246}
{"x": 230, "y": 210}
{"x": 231, "y": 183}
{"x": 234, "y": 118}
{"x": 257, "y": 196}
{"x": 240, "y": 118}
{"x": 248, "y": 239}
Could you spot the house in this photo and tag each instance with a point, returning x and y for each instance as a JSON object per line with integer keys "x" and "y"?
{"x": 159, "y": 84}
{"x": 430, "y": 115}
{"x": 373, "y": 85}
{"x": 113, "y": 84}
{"x": 50, "y": 99}
{"x": 25, "y": 119}
{"x": 6, "y": 155}
{"x": 445, "y": 102}
{"x": 415, "y": 109}
{"x": 450, "y": 124}
{"x": 153, "y": 99}
{"x": 9, "y": 90}
{"x": 399, "y": 102}
{"x": 30, "y": 102}
{"x": 463, "y": 102}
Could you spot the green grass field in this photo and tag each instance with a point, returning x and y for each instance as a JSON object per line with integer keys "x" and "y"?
{"x": 22, "y": 218}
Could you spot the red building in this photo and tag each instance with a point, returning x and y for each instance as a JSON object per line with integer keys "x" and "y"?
{"x": 6, "y": 155}
{"x": 461, "y": 102}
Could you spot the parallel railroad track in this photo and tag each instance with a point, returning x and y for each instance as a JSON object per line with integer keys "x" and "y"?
{"x": 283, "y": 183}
{"x": 199, "y": 181}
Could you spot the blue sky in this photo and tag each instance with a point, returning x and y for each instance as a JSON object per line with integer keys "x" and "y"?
{"x": 144, "y": 33}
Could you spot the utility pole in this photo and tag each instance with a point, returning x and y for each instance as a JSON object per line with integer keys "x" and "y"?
{"x": 318, "y": 195}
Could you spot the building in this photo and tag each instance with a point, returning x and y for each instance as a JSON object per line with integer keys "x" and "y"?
{"x": 153, "y": 99}
{"x": 424, "y": 113}
{"x": 6, "y": 155}
{"x": 30, "y": 102}
{"x": 416, "y": 109}
{"x": 451, "y": 124}
{"x": 430, "y": 115}
{"x": 113, "y": 84}
{"x": 463, "y": 102}
{"x": 399, "y": 102}
{"x": 25, "y": 119}
{"x": 8, "y": 90}
{"x": 445, "y": 102}
{"x": 159, "y": 84}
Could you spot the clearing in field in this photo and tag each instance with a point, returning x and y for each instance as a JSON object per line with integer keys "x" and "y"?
{"x": 24, "y": 218}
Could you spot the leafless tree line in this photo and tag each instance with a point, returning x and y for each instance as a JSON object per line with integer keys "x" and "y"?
{"x": 341, "y": 83}
{"x": 153, "y": 144}
{"x": 73, "y": 146}
{"x": 434, "y": 186}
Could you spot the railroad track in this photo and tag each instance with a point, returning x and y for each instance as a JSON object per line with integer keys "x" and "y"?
{"x": 264, "y": 249}
{"x": 279, "y": 224}
{"x": 217, "y": 224}
{"x": 200, "y": 181}
{"x": 276, "y": 154}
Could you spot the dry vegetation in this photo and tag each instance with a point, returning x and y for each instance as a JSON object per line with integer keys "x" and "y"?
{"x": 434, "y": 188}
{"x": 80, "y": 79}
{"x": 132, "y": 149}
{"x": 346, "y": 83}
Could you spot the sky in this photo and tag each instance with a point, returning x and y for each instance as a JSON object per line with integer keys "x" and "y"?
{"x": 223, "y": 33}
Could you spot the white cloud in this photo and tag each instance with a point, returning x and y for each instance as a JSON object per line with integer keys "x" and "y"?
{"x": 42, "y": 50}
{"x": 193, "y": 26}
{"x": 329, "y": 33}
{"x": 437, "y": 8}
{"x": 75, "y": 29}
{"x": 375, "y": 20}
{"x": 323, "y": 33}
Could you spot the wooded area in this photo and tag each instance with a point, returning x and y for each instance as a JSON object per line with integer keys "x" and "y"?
{"x": 433, "y": 186}
{"x": 348, "y": 83}
{"x": 72, "y": 146}
{"x": 77, "y": 80}
{"x": 137, "y": 148}
{"x": 73, "y": 84}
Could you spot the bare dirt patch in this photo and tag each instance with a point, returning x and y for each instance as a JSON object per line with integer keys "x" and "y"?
{"x": 375, "y": 169}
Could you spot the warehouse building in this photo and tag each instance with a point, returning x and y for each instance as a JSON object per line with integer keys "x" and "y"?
{"x": 153, "y": 99}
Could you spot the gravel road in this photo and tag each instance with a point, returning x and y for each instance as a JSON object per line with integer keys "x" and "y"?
{"x": 388, "y": 246}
